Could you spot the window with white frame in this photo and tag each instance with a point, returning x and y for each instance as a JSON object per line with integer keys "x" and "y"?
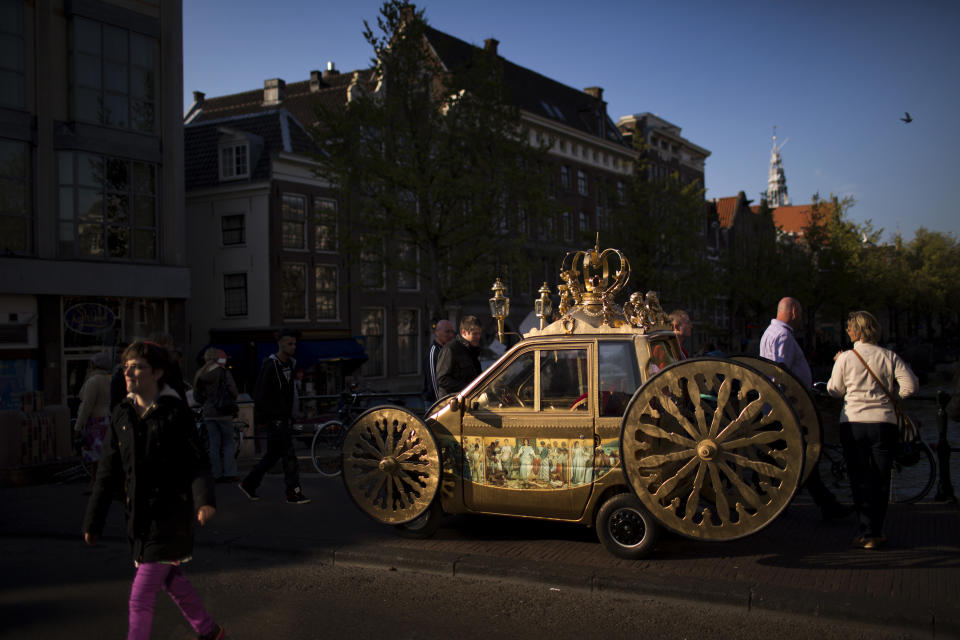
{"x": 408, "y": 267}
{"x": 114, "y": 76}
{"x": 325, "y": 229}
{"x": 408, "y": 341}
{"x": 233, "y": 229}
{"x": 235, "y": 294}
{"x": 293, "y": 213}
{"x": 372, "y": 328}
{"x": 565, "y": 177}
{"x": 621, "y": 192}
{"x": 13, "y": 61}
{"x": 584, "y": 224}
{"x": 566, "y": 226}
{"x": 372, "y": 266}
{"x": 15, "y": 198}
{"x": 234, "y": 160}
{"x": 325, "y": 282}
{"x": 522, "y": 221}
{"x": 293, "y": 290}
{"x": 582, "y": 188}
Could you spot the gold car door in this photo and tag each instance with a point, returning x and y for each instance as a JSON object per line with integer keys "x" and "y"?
{"x": 528, "y": 434}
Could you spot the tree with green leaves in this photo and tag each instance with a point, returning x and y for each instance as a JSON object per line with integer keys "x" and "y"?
{"x": 659, "y": 229}
{"x": 435, "y": 166}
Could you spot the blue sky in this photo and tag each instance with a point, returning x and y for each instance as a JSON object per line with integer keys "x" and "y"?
{"x": 834, "y": 77}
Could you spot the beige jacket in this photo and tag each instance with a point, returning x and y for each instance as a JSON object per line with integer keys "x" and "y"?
{"x": 863, "y": 400}
{"x": 94, "y": 398}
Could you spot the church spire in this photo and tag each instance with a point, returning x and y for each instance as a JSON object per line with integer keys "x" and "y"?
{"x": 777, "y": 182}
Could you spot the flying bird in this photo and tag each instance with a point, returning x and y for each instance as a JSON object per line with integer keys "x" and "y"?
{"x": 907, "y": 118}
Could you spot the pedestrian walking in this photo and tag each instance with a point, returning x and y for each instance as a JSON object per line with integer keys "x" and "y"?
{"x": 215, "y": 390}
{"x": 779, "y": 344}
{"x": 93, "y": 414}
{"x": 274, "y": 397}
{"x": 683, "y": 328}
{"x": 459, "y": 361}
{"x": 153, "y": 456}
{"x": 866, "y": 377}
{"x": 442, "y": 334}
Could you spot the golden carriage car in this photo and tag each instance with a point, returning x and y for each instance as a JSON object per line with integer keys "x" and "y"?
{"x": 594, "y": 419}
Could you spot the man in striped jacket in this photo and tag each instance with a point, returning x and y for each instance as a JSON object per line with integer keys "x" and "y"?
{"x": 442, "y": 334}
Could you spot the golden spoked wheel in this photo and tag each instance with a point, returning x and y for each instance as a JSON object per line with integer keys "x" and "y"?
{"x": 391, "y": 464}
{"x": 712, "y": 449}
{"x": 802, "y": 403}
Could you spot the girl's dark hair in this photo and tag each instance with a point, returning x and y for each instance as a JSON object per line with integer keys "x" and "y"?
{"x": 155, "y": 355}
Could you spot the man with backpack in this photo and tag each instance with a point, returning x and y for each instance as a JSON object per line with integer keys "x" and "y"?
{"x": 215, "y": 390}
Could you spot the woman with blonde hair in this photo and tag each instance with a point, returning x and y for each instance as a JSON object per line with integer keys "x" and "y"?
{"x": 93, "y": 415}
{"x": 866, "y": 377}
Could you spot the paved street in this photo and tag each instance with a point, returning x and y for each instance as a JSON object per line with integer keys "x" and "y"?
{"x": 798, "y": 565}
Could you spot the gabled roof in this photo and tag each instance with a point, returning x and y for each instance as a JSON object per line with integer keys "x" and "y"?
{"x": 268, "y": 132}
{"x": 535, "y": 93}
{"x": 300, "y": 101}
{"x": 726, "y": 208}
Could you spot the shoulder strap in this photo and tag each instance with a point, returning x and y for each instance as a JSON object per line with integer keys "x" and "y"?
{"x": 893, "y": 399}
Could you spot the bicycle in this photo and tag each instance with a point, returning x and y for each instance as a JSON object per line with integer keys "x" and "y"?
{"x": 81, "y": 469}
{"x": 912, "y": 477}
{"x": 328, "y": 437}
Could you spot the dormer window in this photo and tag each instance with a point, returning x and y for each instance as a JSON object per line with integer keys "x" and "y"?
{"x": 234, "y": 160}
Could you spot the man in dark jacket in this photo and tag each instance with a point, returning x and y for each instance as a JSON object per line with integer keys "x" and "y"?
{"x": 459, "y": 361}
{"x": 442, "y": 334}
{"x": 274, "y": 396}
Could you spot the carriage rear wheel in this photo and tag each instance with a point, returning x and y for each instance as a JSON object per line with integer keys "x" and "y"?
{"x": 712, "y": 449}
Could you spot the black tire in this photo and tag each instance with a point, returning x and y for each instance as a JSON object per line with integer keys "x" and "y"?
{"x": 914, "y": 473}
{"x": 327, "y": 448}
{"x": 626, "y": 528}
{"x": 423, "y": 526}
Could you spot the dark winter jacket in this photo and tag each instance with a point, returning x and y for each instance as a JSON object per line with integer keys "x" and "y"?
{"x": 158, "y": 465}
{"x": 273, "y": 394}
{"x": 206, "y": 388}
{"x": 458, "y": 365}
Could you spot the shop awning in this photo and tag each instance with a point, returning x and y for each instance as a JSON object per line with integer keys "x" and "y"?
{"x": 311, "y": 352}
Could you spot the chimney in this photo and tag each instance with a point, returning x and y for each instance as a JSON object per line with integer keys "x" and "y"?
{"x": 274, "y": 91}
{"x": 316, "y": 81}
{"x": 596, "y": 92}
{"x": 330, "y": 71}
{"x": 198, "y": 97}
{"x": 490, "y": 44}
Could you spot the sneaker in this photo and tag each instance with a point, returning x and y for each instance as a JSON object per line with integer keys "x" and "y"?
{"x": 218, "y": 633}
{"x": 296, "y": 497}
{"x": 250, "y": 493}
{"x": 874, "y": 542}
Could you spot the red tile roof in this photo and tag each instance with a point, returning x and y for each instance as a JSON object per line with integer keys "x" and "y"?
{"x": 726, "y": 208}
{"x": 792, "y": 218}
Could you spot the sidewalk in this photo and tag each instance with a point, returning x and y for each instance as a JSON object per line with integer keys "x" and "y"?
{"x": 797, "y": 565}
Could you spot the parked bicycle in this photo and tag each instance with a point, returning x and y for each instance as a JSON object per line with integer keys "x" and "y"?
{"x": 328, "y": 437}
{"x": 911, "y": 479}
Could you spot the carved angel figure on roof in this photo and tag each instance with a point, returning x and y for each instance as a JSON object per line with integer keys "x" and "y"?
{"x": 565, "y": 299}
{"x": 571, "y": 277}
{"x": 653, "y": 311}
{"x": 633, "y": 309}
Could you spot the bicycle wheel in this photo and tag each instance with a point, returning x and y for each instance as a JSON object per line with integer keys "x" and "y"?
{"x": 238, "y": 429}
{"x": 325, "y": 451}
{"x": 911, "y": 482}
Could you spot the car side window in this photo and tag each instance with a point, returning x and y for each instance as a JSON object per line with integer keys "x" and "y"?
{"x": 512, "y": 388}
{"x": 661, "y": 355}
{"x": 564, "y": 378}
{"x": 617, "y": 376}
